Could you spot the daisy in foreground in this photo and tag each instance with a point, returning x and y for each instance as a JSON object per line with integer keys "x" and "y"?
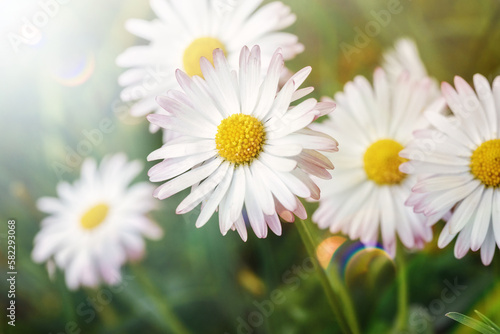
{"x": 187, "y": 30}
{"x": 97, "y": 223}
{"x": 458, "y": 161}
{"x": 243, "y": 147}
{"x": 368, "y": 192}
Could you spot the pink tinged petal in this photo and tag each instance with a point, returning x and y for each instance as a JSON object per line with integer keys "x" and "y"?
{"x": 284, "y": 213}
{"x": 250, "y": 77}
{"x": 462, "y": 245}
{"x": 488, "y": 248}
{"x": 301, "y": 76}
{"x": 449, "y": 198}
{"x": 150, "y": 229}
{"x": 311, "y": 142}
{"x": 236, "y": 193}
{"x": 110, "y": 274}
{"x": 446, "y": 236}
{"x": 281, "y": 102}
{"x": 474, "y": 113}
{"x": 295, "y": 184}
{"x": 173, "y": 167}
{"x": 186, "y": 180}
{"x": 239, "y": 224}
{"x": 461, "y": 112}
{"x": 255, "y": 214}
{"x": 300, "y": 93}
{"x": 424, "y": 167}
{"x": 300, "y": 211}
{"x": 304, "y": 108}
{"x": 269, "y": 86}
{"x": 277, "y": 187}
{"x": 188, "y": 128}
{"x": 274, "y": 223}
{"x": 265, "y": 197}
{"x": 277, "y": 163}
{"x": 183, "y": 149}
{"x": 482, "y": 219}
{"x": 201, "y": 192}
{"x": 287, "y": 128}
{"x": 485, "y": 95}
{"x": 211, "y": 205}
{"x": 309, "y": 183}
{"x": 227, "y": 81}
{"x": 451, "y": 126}
{"x": 178, "y": 105}
{"x": 464, "y": 210}
{"x": 198, "y": 96}
{"x": 134, "y": 245}
{"x": 439, "y": 183}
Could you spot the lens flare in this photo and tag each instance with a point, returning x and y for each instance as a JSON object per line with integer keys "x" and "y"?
{"x": 327, "y": 248}
{"x": 75, "y": 71}
{"x": 367, "y": 263}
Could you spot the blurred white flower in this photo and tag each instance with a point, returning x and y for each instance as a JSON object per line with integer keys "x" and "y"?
{"x": 459, "y": 168}
{"x": 97, "y": 223}
{"x": 405, "y": 57}
{"x": 367, "y": 192}
{"x": 242, "y": 146}
{"x": 187, "y": 30}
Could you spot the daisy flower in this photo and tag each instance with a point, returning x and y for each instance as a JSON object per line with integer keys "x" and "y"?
{"x": 458, "y": 162}
{"x": 187, "y": 30}
{"x": 96, "y": 223}
{"x": 368, "y": 192}
{"x": 241, "y": 145}
{"x": 405, "y": 57}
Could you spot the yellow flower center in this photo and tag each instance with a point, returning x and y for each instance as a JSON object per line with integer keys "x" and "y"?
{"x": 94, "y": 216}
{"x": 485, "y": 163}
{"x": 382, "y": 160}
{"x": 240, "y": 138}
{"x": 200, "y": 47}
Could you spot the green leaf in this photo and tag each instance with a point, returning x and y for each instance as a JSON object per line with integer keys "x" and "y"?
{"x": 472, "y": 323}
{"x": 487, "y": 321}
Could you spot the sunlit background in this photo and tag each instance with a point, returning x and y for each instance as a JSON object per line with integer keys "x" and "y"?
{"x": 62, "y": 81}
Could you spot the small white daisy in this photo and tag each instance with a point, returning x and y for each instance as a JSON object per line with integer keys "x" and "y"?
{"x": 97, "y": 223}
{"x": 187, "y": 30}
{"x": 367, "y": 191}
{"x": 458, "y": 162}
{"x": 243, "y": 146}
{"x": 405, "y": 57}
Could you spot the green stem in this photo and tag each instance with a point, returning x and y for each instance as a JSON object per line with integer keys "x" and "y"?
{"x": 337, "y": 295}
{"x": 402, "y": 285}
{"x": 160, "y": 302}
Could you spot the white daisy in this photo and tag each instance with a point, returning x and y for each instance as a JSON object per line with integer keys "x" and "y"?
{"x": 405, "y": 57}
{"x": 97, "y": 223}
{"x": 187, "y": 30}
{"x": 242, "y": 146}
{"x": 367, "y": 193}
{"x": 458, "y": 161}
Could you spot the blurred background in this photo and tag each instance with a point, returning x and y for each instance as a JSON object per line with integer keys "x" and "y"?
{"x": 64, "y": 82}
